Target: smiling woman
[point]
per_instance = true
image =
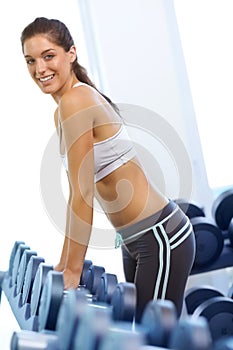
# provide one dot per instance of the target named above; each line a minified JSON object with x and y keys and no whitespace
{"x":48,"y":64}
{"x":158,"y":242}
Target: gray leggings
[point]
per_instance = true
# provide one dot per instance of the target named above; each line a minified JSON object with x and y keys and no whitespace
{"x":158,"y":254}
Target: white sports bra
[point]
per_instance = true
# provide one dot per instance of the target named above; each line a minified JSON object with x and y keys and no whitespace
{"x":110,"y":153}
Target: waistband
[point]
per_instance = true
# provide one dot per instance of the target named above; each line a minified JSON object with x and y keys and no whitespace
{"x":157,"y":218}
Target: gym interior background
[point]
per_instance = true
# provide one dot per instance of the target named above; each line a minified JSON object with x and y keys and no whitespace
{"x":171,"y":57}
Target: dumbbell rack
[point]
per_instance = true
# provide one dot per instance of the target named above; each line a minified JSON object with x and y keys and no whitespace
{"x":35,"y":293}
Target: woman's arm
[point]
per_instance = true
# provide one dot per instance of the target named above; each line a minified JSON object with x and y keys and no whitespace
{"x":77,"y":128}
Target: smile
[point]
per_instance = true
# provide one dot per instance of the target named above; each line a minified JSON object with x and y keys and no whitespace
{"x":46,"y":78}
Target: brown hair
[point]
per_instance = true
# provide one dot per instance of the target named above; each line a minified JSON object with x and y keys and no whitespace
{"x":59,"y":34}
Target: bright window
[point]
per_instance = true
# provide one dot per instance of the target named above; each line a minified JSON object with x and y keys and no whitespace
{"x":206,"y":29}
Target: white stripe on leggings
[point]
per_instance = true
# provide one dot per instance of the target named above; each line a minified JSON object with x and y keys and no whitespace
{"x":173,"y":246}
{"x":174,"y":237}
{"x":167,"y":254}
{"x":161,"y":262}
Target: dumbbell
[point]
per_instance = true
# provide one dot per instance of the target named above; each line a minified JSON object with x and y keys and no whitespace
{"x":209,"y":242}
{"x":16,"y":261}
{"x":190,"y":208}
{"x":78,"y":317}
{"x":215,"y":307}
{"x":159,"y":318}
{"x":208,"y":237}
{"x":122,"y":301}
{"x":122,"y":338}
{"x":12,"y":256}
{"x":159,"y":329}
{"x":222,"y":211}
{"x":68,"y":318}
{"x":96,"y":322}
{"x":26,"y":275}
{"x":19,"y":280}
{"x":20,"y":256}
{"x":54,"y":291}
{"x":191,"y":334}
{"x":83,"y":325}
{"x":34,"y":281}
{"x":7,"y":278}
{"x":195,"y":296}
{"x":78,"y":321}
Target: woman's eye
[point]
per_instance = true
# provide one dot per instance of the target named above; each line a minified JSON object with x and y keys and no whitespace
{"x":48,"y":57}
{"x":30,"y":61}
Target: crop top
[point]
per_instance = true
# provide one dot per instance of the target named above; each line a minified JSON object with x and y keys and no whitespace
{"x":109,"y":154}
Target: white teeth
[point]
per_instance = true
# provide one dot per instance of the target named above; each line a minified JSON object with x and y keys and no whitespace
{"x":46,"y":78}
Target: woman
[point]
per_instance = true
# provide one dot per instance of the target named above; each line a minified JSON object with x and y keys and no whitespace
{"x":158,"y":241}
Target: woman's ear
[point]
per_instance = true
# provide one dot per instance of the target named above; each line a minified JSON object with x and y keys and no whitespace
{"x":73,"y":54}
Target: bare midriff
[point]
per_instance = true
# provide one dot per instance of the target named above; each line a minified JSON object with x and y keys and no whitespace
{"x":127,"y":196}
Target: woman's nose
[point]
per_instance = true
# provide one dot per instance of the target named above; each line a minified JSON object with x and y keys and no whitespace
{"x":40,"y":67}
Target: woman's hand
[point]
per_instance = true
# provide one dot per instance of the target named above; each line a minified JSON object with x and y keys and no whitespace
{"x":59,"y":267}
{"x":71,"y":279}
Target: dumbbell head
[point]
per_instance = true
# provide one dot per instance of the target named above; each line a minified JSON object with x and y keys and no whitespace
{"x":191,"y":334}
{"x":30,"y":274}
{"x":191,"y":209}
{"x":72,"y":310}
{"x":230,"y":232}
{"x":124,"y":301}
{"x":92,"y":327}
{"x":159,"y":319}
{"x":18,"y":255}
{"x":93,"y":277}
{"x":106,"y":287}
{"x":222,"y":209}
{"x":84,"y":275}
{"x":12,"y":256}
{"x":218,"y":311}
{"x":50,"y":301}
{"x":120,"y":336}
{"x":49,"y":298}
{"x":37,"y":286}
{"x":27,"y":254}
{"x":197,"y":295}
{"x":209,"y":242}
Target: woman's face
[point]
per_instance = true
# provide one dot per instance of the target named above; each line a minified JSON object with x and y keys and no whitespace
{"x":49,"y":65}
